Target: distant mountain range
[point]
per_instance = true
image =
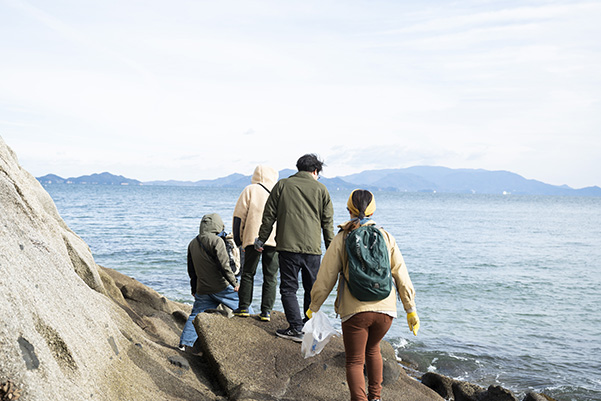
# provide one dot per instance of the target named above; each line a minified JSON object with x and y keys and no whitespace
{"x":94,"y":179}
{"x":411,"y":179}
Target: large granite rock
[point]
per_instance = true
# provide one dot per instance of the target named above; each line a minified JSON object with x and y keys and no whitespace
{"x":66,"y":330}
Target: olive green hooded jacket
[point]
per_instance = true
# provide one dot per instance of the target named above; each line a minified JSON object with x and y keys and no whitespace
{"x":303,"y":210}
{"x":209,"y":264}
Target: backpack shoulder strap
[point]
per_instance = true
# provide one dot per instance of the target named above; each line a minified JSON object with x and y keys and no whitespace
{"x":205,"y":249}
{"x":264,"y":187}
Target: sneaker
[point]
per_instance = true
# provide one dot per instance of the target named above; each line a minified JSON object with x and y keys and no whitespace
{"x":241,"y":312}
{"x":181,"y":348}
{"x":290,"y":334}
{"x":265,"y":316}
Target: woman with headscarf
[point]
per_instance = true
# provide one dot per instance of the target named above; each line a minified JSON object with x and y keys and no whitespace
{"x":364,"y":323}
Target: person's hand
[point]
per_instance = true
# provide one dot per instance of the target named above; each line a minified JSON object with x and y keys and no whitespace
{"x":309,"y":313}
{"x":413,"y":322}
{"x":259,"y":245}
{"x":236,"y":288}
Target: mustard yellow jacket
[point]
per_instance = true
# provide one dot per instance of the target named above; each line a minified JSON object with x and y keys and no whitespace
{"x":335,"y":262}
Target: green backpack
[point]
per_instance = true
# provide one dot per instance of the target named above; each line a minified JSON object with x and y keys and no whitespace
{"x":368,"y":264}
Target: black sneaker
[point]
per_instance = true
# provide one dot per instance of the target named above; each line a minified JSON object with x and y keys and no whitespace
{"x":265,"y":316}
{"x":290,"y":334}
{"x":241,"y":312}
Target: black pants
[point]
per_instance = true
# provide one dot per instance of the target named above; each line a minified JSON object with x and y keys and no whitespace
{"x":290,"y":265}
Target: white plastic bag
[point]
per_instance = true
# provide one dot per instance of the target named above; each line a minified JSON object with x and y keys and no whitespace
{"x":318,"y":331}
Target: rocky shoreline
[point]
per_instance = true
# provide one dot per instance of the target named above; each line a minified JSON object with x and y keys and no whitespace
{"x":236,"y":353}
{"x":73,"y":330}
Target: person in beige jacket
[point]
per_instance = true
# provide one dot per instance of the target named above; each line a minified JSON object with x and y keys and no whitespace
{"x":364,"y":324}
{"x":247,"y":220}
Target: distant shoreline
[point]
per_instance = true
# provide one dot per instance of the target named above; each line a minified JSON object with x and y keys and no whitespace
{"x":423,"y":179}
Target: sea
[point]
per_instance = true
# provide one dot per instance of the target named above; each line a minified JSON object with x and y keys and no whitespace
{"x":508,"y":286}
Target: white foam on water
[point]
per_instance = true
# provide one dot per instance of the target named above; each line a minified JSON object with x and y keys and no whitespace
{"x":461,"y":358}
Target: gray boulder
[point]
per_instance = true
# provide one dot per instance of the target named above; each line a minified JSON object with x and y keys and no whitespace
{"x":251,"y":363}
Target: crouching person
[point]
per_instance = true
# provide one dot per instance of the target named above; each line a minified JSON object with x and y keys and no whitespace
{"x":211,"y":278}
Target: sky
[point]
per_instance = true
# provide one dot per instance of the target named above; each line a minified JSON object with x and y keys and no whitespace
{"x":191,"y":90}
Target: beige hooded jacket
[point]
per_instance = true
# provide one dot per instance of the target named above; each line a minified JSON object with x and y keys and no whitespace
{"x":335,"y":263}
{"x":250,"y":205}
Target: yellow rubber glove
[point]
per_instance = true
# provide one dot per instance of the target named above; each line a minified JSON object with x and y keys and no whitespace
{"x":309,"y":313}
{"x":413,"y":322}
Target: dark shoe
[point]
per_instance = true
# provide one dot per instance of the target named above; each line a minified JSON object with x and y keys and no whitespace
{"x":241,"y":312}
{"x":290,"y":334}
{"x":265,"y":316}
{"x":181,"y":348}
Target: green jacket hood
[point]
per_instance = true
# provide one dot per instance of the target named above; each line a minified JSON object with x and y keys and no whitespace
{"x":211,"y":224}
{"x":265,"y":175}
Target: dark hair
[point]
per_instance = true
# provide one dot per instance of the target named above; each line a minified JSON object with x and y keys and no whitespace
{"x":310,"y":162}
{"x":360,"y":199}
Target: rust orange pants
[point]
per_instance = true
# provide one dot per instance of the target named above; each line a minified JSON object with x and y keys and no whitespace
{"x":362,"y":335}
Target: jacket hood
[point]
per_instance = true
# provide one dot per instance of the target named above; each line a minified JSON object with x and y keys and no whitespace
{"x":211,"y":224}
{"x":265,"y":175}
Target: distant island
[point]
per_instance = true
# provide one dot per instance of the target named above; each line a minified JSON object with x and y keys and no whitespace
{"x":428,"y":179}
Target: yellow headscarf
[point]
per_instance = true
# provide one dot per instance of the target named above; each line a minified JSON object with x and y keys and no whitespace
{"x":369,"y":210}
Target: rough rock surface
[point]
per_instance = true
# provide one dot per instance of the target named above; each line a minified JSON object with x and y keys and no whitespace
{"x":67,"y":332}
{"x":251,"y":363}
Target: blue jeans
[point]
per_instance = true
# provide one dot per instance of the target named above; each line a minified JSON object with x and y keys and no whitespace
{"x":228,"y":297}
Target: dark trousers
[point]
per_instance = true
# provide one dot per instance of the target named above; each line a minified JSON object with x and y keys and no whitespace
{"x":290,"y":265}
{"x":270,"y":277}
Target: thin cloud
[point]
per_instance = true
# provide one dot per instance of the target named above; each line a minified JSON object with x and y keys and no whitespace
{"x":74,"y":35}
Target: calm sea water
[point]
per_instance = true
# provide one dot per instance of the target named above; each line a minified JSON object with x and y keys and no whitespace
{"x":508,"y":287}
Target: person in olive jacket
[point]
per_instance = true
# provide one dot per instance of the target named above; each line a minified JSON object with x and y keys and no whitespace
{"x":303,"y":210}
{"x":211,"y":278}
